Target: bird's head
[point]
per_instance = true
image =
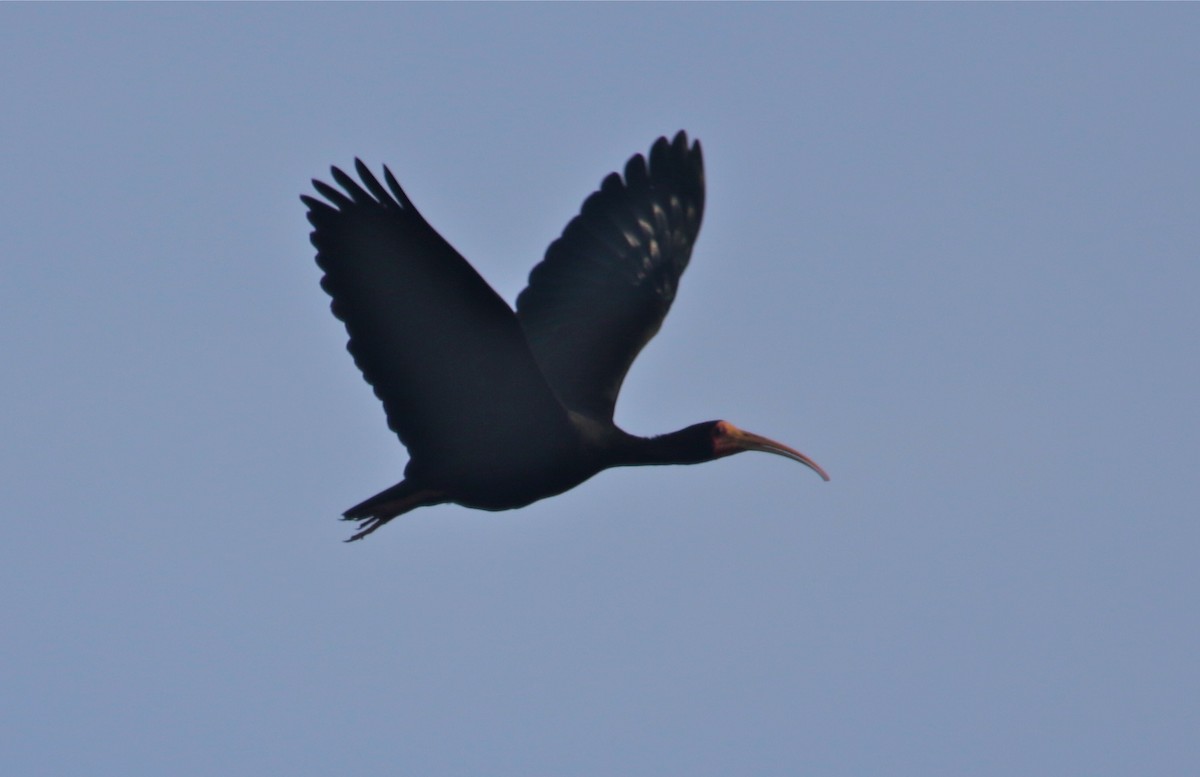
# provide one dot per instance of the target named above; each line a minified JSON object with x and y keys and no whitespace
{"x":726,"y":440}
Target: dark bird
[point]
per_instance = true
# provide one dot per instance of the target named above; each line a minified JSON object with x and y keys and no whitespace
{"x":498,"y":409}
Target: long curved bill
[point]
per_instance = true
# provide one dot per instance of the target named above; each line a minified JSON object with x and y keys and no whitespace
{"x":734,"y":440}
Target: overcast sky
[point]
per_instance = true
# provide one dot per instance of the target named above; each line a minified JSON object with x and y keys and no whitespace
{"x":951,"y":252}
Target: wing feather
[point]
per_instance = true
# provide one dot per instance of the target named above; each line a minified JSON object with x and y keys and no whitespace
{"x":605,"y":285}
{"x":441,"y":349}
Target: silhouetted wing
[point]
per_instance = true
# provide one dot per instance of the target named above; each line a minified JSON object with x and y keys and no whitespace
{"x":442,"y":350}
{"x":605,"y":286}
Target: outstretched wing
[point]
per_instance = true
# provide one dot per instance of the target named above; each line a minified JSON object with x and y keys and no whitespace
{"x":605,"y":286}
{"x":442,"y":350}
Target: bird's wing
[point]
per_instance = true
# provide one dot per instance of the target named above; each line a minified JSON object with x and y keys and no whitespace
{"x":442,"y":350}
{"x":605,"y":286}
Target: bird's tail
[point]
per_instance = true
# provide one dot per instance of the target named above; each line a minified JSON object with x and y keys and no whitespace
{"x":387,"y":504}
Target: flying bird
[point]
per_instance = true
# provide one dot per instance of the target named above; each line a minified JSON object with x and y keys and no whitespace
{"x":500,"y":409}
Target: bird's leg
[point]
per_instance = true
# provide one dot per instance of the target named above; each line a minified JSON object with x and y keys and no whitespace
{"x":367,"y":526}
{"x":371,"y":514}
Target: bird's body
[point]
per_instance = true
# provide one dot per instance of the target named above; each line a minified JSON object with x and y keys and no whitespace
{"x":499,"y":409}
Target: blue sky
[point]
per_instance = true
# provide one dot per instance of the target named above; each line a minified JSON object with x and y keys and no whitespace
{"x":949,"y":251}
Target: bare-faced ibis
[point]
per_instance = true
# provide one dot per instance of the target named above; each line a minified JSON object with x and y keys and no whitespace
{"x":498,"y":409}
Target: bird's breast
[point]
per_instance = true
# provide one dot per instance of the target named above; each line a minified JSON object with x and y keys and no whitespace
{"x":516,"y":475}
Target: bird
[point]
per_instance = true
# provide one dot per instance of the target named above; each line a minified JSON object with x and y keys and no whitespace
{"x":497,"y":407}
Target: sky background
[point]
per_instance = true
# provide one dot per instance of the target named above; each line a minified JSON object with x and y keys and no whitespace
{"x":951,"y":252}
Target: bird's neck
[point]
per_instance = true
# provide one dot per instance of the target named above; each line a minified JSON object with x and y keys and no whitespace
{"x":686,"y":446}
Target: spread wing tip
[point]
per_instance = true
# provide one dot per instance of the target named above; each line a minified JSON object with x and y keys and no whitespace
{"x":374,"y":193}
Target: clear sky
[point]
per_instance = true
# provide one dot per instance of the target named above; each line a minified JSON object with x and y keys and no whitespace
{"x":952,"y":252}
